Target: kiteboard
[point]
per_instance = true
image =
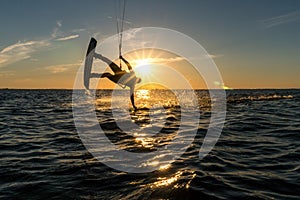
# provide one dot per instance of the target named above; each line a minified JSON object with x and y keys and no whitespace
{"x":89,"y":62}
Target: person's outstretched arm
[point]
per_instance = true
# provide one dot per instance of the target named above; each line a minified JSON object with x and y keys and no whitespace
{"x":132,"y":97}
{"x":126,"y":62}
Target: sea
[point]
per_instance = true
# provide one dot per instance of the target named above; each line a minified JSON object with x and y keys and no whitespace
{"x":257,"y":156}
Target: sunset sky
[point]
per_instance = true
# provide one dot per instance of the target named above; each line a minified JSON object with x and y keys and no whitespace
{"x":255,"y":44}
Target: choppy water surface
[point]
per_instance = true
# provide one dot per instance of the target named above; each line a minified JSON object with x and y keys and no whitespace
{"x":256,"y":157}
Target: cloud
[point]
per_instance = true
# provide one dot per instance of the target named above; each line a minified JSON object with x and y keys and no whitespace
{"x":68,"y":37}
{"x":78,"y":30}
{"x":55,"y":69}
{"x":56,"y":32}
{"x":281,"y":19}
{"x":214,"y":56}
{"x":20,"y":51}
{"x":129,"y":34}
{"x":178,"y":59}
{"x":167,"y":60}
{"x":119,"y":21}
{"x":59,"y":35}
{"x":159,"y":60}
{"x":59,"y":23}
{"x":5,"y":74}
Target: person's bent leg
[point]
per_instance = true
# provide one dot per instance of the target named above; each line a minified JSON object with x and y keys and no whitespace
{"x":104,"y":75}
{"x":113,"y":78}
{"x":116,"y":69}
{"x":104,"y":59}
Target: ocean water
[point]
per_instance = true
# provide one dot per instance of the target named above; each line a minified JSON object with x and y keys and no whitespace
{"x":256,"y":157}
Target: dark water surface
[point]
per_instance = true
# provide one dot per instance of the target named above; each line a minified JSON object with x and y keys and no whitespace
{"x":256,"y":157}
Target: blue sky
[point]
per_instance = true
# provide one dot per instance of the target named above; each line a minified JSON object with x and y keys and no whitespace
{"x":256,"y":43}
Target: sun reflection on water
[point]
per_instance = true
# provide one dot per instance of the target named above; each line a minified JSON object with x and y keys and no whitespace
{"x":143,"y":94}
{"x":164,"y":167}
{"x":146,"y":142}
{"x":165,"y":181}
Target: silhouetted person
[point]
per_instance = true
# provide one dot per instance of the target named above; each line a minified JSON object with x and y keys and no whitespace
{"x":120,"y":76}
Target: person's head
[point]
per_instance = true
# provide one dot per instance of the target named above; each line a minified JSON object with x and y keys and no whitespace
{"x":138,"y":80}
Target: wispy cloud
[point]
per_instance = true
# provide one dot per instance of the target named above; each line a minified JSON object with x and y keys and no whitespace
{"x":214,"y":56}
{"x":129,"y":34}
{"x":119,"y":20}
{"x":59,"y":23}
{"x":24,"y":49}
{"x":68,"y":37}
{"x":167,"y":60}
{"x":5,"y":74}
{"x":20,"y":51}
{"x":55,"y":69}
{"x":56,"y":31}
{"x":58,"y":35}
{"x":160,"y":60}
{"x":178,"y":58}
{"x":281,"y":19}
{"x":78,"y":30}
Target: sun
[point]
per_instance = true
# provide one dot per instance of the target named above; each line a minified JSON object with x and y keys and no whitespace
{"x":143,"y":66}
{"x":140,"y":62}
{"x":143,"y":69}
